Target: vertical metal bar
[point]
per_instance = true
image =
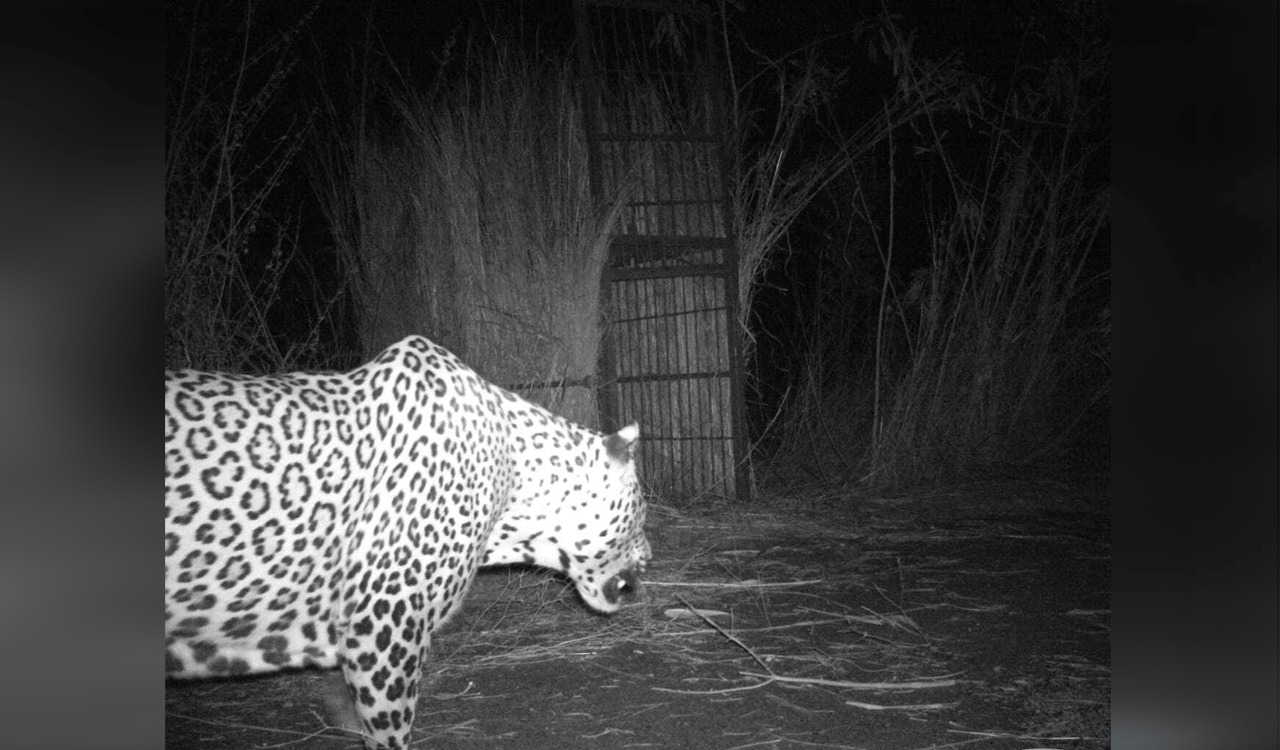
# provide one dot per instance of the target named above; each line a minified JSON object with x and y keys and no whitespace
{"x":733,"y":334}
{"x":607,"y":388}
{"x":720,"y":126}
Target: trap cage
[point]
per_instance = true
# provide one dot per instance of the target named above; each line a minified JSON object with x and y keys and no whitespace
{"x":655,"y":108}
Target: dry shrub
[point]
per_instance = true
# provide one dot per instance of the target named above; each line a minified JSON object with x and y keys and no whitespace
{"x":231,"y":247}
{"x":996,"y":318}
{"x":971,"y":357}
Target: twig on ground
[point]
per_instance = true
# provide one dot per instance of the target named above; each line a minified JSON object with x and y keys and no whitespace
{"x":1024,"y":736}
{"x":726,"y":634}
{"x":913,"y":685}
{"x":911,"y":707}
{"x":750,"y":583}
{"x":788,"y":626}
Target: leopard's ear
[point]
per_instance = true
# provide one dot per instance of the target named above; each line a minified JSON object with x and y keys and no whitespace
{"x":621,"y":445}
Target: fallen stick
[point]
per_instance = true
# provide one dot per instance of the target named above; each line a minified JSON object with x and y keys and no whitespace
{"x":914,"y":707}
{"x":915,"y":685}
{"x":751,"y":583}
{"x":788,"y":626}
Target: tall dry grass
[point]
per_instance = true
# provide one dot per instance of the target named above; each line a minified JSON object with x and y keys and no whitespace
{"x":969,"y":358}
{"x":998,"y":320}
{"x":772,"y":187}
{"x":474,"y":223}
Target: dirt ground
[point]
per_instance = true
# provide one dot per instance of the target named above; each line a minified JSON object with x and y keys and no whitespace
{"x":975,"y":616}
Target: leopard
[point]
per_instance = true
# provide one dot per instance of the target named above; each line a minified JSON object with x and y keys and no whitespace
{"x":336,"y":520}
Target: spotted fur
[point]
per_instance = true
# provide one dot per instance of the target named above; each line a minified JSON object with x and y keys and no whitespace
{"x":337,"y":520}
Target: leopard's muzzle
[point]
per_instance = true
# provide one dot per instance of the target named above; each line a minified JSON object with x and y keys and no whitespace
{"x":624,"y":588}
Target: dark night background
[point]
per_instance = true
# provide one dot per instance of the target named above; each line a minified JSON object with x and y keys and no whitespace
{"x":408,"y":40}
{"x":1195,"y":395}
